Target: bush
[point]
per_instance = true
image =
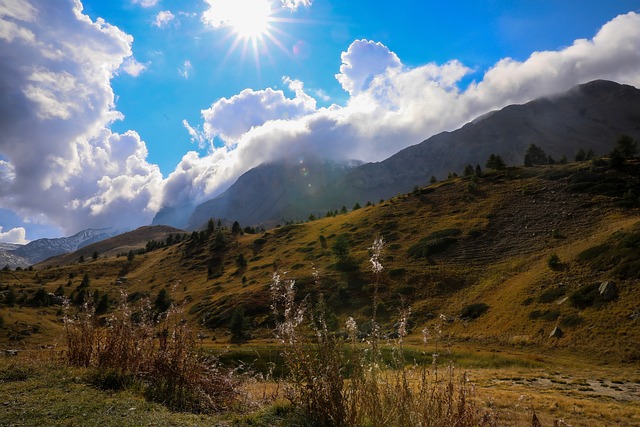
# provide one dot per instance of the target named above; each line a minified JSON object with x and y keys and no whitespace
{"x":548,"y":315}
{"x":434,"y":243}
{"x":238,"y":325}
{"x":586,"y":296}
{"x":473,"y":311}
{"x":340,"y":248}
{"x":427,"y":247}
{"x":571,"y":321}
{"x":593,"y":252}
{"x":157,"y":353}
{"x":550,"y":295}
{"x":553,"y":262}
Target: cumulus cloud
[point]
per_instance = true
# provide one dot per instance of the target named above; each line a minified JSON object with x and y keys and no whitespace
{"x":146,"y":3}
{"x":16,"y":235}
{"x":231,"y":118}
{"x":295,"y":4}
{"x":132,"y":67}
{"x":60,"y":162}
{"x":363,"y":61}
{"x":392,"y":106}
{"x":164,"y":18}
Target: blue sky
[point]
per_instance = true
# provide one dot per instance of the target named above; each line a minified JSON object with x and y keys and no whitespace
{"x":115,"y":109}
{"x":476,"y":33}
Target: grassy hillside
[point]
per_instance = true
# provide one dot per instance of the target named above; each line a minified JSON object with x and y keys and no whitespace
{"x":476,"y":249}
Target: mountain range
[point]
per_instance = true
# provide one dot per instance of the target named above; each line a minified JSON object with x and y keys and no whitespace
{"x":41,"y":249}
{"x":589,"y":116}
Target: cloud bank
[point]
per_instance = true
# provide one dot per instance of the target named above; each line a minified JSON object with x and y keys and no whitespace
{"x":15,"y":235}
{"x":391,"y":105}
{"x":60,"y":162}
{"x":60,"y":159}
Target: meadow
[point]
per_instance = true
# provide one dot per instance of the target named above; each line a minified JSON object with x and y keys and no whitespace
{"x":432,"y":308}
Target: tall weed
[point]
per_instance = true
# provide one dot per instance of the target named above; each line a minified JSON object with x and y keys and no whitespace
{"x":342,"y":380}
{"x":156,"y":350}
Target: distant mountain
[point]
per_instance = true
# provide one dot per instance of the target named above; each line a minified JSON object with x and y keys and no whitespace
{"x":7,"y":259}
{"x":589,"y":116}
{"x":41,"y":249}
{"x":8,"y":246}
{"x":121,"y":243}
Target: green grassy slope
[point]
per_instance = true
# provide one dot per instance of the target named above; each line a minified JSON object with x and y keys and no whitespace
{"x":475,"y":249}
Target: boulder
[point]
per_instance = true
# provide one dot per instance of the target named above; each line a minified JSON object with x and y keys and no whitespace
{"x":608,"y":291}
{"x":556,"y":333}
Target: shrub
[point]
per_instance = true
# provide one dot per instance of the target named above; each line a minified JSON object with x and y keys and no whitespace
{"x":340,"y":248}
{"x":548,"y":315}
{"x":571,"y":321}
{"x":428,"y":246}
{"x":238,"y":325}
{"x":593,"y":252}
{"x":473,"y":311}
{"x":586,"y":296}
{"x":156,"y":352}
{"x":553,"y":262}
{"x":535,"y":155}
{"x":495,"y":162}
{"x":550,"y":295}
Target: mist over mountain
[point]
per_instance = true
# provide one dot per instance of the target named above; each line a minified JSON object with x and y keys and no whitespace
{"x":588,"y":116}
{"x":286,"y":189}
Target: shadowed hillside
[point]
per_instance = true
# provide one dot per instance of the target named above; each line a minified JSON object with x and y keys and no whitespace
{"x":486,"y":240}
{"x":589,"y":116}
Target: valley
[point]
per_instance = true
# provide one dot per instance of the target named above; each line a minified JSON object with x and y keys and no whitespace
{"x":471,"y":253}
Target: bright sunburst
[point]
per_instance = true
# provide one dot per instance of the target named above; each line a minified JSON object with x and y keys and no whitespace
{"x":249,"y":19}
{"x":252,"y":19}
{"x":253,"y":25}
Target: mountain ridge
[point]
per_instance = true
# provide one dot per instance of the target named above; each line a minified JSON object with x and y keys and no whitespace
{"x":41,"y":249}
{"x":588,"y":116}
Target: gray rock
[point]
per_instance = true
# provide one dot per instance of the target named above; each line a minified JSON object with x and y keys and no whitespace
{"x":556,"y":333}
{"x":608,"y":291}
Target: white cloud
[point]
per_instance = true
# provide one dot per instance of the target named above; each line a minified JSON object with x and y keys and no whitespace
{"x":186,"y":69}
{"x":295,"y":4}
{"x":362,"y":62}
{"x":56,"y":108}
{"x":222,"y":13}
{"x":132,"y":67}
{"x":392,"y":106}
{"x":15,"y":235}
{"x":164,"y":18}
{"x":146,"y":3}
{"x":230,"y":119}
{"x":60,"y":162}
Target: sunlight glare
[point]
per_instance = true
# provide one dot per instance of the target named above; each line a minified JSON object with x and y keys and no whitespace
{"x":248,"y":18}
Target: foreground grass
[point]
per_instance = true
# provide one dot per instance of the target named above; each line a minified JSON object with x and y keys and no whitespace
{"x":37,"y":391}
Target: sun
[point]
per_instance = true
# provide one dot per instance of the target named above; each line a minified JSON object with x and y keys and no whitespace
{"x":250,"y":26}
{"x":248,"y":18}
